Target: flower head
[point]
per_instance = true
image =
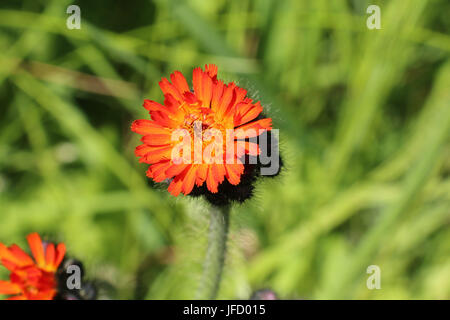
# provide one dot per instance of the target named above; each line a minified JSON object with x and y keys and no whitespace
{"x":31,"y":279}
{"x":219,"y":122}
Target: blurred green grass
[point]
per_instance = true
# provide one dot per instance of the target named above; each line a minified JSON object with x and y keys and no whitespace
{"x":364,"y":119}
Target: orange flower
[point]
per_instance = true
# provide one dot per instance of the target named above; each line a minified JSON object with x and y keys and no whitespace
{"x":31,"y":279}
{"x":214,"y":106}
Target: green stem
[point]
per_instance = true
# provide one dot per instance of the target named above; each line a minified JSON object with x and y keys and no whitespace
{"x":215,"y":254}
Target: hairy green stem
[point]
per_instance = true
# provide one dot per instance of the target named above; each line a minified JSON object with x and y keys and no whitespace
{"x":216,"y":252}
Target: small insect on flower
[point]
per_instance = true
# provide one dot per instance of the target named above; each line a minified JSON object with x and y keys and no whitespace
{"x":31,"y":279}
{"x":199,"y":140}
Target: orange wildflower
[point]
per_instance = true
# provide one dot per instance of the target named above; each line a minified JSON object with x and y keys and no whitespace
{"x":31,"y":279}
{"x":217,"y":106}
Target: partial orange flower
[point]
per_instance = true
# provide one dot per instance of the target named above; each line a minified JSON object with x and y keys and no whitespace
{"x":31,"y":279}
{"x":217,"y":106}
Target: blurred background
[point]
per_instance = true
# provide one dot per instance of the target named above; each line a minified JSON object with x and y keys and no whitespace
{"x":364,"y":119}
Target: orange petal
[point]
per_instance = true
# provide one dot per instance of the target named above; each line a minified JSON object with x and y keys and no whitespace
{"x":142,"y":150}
{"x":190,"y":98}
{"x":35,"y":243}
{"x":189,"y":180}
{"x":225,"y":101}
{"x":207,"y":88}
{"x":176,"y":169}
{"x":211,"y":70}
{"x":219,"y":172}
{"x":163,"y":119}
{"x":175,"y":187}
{"x":144,"y":127}
{"x":247,"y":115}
{"x":6,"y":254}
{"x":60,"y":253}
{"x":21,"y":255}
{"x":44,"y":295}
{"x":14,"y":256}
{"x":149,"y":173}
{"x":158,"y":170}
{"x":259,"y":124}
{"x":50,"y":255}
{"x":217,"y":95}
{"x":242,"y":108}
{"x":179,"y":81}
{"x":211,"y":182}
{"x":151,"y":105}
{"x":157,"y":154}
{"x":19,"y":297}
{"x":171,"y":103}
{"x":10,"y":265}
{"x":168,"y":88}
{"x":7,"y":287}
{"x":197,"y":82}
{"x":253,"y":129}
{"x":202,"y":172}
{"x":240,"y":94}
{"x":234,"y":172}
{"x":157,"y":139}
